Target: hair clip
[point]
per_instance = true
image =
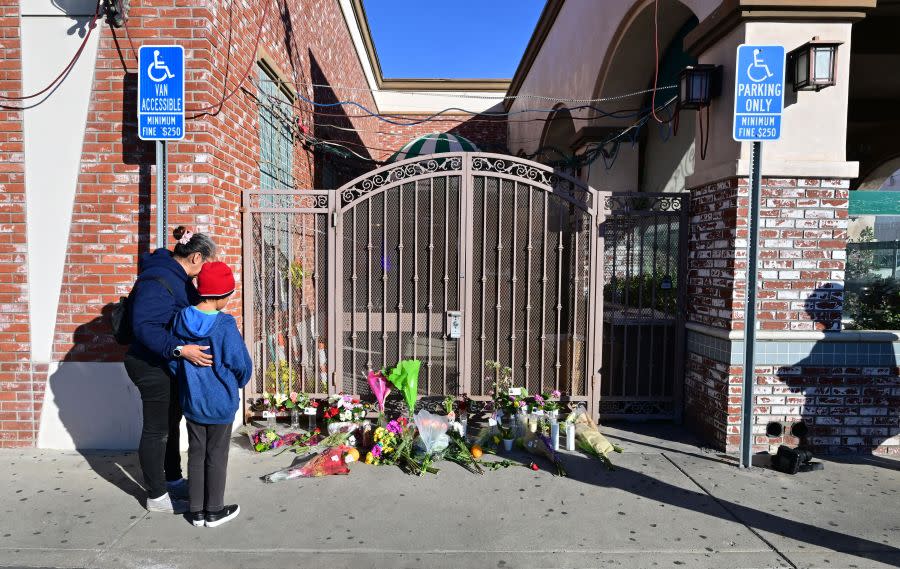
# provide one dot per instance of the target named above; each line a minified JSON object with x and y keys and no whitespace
{"x":185,"y":238}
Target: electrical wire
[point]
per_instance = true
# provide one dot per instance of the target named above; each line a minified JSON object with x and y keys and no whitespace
{"x":594,"y":152}
{"x":390,"y":119}
{"x":203,"y":111}
{"x":227,"y":61}
{"x":339,"y":148}
{"x":656,"y":58}
{"x":65,"y":71}
{"x":704,"y":141}
{"x":497,"y":97}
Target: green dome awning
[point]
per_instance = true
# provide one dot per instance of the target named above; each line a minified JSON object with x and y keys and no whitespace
{"x":433,"y":143}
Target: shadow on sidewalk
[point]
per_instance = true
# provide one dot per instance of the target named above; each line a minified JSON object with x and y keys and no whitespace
{"x":589,"y":471}
{"x":98,"y":409}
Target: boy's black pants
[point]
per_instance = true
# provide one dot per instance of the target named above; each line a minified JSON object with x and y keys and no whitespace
{"x":207,"y":465}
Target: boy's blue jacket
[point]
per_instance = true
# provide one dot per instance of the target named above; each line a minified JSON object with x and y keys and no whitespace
{"x":209,"y":395}
{"x":154,"y":306}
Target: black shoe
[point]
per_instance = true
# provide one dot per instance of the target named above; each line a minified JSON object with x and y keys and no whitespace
{"x":198,"y":519}
{"x":224,"y":515}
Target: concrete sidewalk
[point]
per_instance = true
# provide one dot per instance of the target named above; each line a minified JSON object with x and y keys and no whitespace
{"x":669,"y":504}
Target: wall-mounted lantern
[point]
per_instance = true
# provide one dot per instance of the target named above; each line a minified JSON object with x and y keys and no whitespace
{"x":698,"y":85}
{"x":813,"y":65}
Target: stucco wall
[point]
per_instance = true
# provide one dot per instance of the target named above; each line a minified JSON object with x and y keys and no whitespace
{"x":575,"y":51}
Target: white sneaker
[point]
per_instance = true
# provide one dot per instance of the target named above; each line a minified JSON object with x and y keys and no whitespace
{"x":167,"y":505}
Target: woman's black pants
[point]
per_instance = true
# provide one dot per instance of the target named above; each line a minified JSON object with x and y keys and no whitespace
{"x":159,"y":448}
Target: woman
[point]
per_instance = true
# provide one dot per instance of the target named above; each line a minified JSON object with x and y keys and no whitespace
{"x":163,"y":288}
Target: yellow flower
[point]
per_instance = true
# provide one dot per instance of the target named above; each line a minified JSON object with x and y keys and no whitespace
{"x":369,"y":458}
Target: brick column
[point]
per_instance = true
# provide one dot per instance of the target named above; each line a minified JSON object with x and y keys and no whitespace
{"x":803,"y":236}
{"x":17,"y":385}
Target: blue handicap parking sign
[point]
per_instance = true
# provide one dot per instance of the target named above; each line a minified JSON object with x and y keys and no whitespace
{"x":758,"y":92}
{"x":161,"y":92}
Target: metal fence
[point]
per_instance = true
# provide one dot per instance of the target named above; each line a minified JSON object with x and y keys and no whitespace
{"x":286,"y":310}
{"x":643,"y":291}
{"x":359,"y":278}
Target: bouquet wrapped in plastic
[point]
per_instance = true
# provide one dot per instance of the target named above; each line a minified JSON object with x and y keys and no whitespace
{"x":380,"y":389}
{"x":589,"y":439}
{"x":539,"y":445}
{"x":405,"y":377}
{"x":432,"y":432}
{"x":265,"y":439}
{"x":330,"y":462}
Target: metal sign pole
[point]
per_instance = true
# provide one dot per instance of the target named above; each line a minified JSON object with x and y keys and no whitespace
{"x":758,"y":104}
{"x":162,"y":190}
{"x":750,"y":307}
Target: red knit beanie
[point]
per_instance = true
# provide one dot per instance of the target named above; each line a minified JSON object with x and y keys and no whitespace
{"x":215,"y":279}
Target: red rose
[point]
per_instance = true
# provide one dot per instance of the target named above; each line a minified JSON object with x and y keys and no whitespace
{"x":534,"y":466}
{"x":355,"y":401}
{"x":315,"y":404}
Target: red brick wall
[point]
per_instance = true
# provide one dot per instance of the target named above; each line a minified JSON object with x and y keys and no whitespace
{"x":18,"y":399}
{"x":113,"y":219}
{"x":847,"y":409}
{"x":707,"y":398}
{"x":489,"y":134}
{"x":802,"y":241}
{"x":114,"y":216}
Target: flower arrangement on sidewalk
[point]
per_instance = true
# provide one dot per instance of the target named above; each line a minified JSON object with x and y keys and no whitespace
{"x":344,"y":409}
{"x":416,"y":442}
{"x":267,"y":439}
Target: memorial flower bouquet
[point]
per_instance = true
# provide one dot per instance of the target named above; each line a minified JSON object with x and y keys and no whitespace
{"x":266,"y":439}
{"x":590,"y":440}
{"x":536,"y":443}
{"x":276,"y":402}
{"x":297,"y":401}
{"x":345,"y":409}
{"x":386,"y":439}
{"x":551,"y":402}
{"x":394,"y":445}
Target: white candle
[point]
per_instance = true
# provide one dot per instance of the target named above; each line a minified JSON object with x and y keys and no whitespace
{"x":554,"y":434}
{"x":570,"y":436}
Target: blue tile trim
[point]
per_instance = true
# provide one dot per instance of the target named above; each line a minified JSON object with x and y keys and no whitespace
{"x":802,"y":352}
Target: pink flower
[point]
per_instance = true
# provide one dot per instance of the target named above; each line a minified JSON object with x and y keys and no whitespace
{"x":555,"y":394}
{"x":293,"y":396}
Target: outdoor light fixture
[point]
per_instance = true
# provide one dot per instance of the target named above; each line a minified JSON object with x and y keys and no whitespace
{"x":698,"y":85}
{"x":811,"y":67}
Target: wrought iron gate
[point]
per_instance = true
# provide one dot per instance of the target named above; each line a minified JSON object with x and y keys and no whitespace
{"x":505,"y":243}
{"x":358,"y":278}
{"x":643,"y":291}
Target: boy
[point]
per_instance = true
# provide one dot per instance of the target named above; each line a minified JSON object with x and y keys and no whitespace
{"x":209,"y":395}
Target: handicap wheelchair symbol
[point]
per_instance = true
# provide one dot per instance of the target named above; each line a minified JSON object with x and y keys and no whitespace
{"x":757,"y":68}
{"x":158,"y":64}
